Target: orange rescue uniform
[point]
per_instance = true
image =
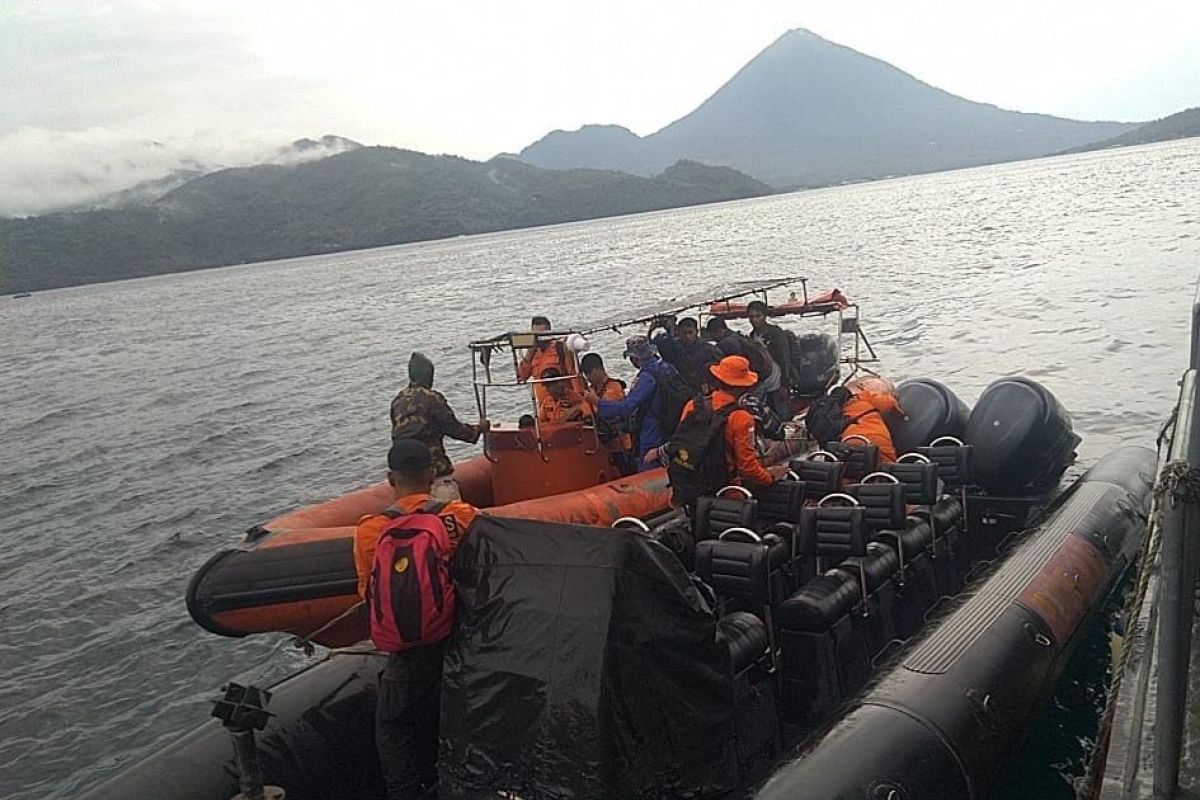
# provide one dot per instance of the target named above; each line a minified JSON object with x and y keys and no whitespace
{"x":570,"y":407}
{"x":741,"y":455}
{"x":539,"y":359}
{"x":456,"y":516}
{"x":613,"y":390}
{"x":867,"y":408}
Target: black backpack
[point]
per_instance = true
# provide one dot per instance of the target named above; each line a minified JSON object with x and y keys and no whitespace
{"x":757,"y":354}
{"x":825,"y":418}
{"x":696,"y":453}
{"x":672,"y":395}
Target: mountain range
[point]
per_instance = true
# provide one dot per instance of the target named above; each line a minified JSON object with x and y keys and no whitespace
{"x":804,"y":112}
{"x":809,"y":112}
{"x":363,"y":197}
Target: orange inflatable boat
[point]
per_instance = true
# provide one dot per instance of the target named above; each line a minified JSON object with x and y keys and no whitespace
{"x":295,"y":573}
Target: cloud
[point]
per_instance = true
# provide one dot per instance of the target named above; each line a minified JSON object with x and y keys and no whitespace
{"x":104,"y":79}
{"x":44,"y":170}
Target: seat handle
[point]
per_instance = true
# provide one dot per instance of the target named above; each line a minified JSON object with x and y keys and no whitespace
{"x":838,"y":496}
{"x":746,"y":493}
{"x":793,"y":475}
{"x":882,"y":477}
{"x":847,"y":439}
{"x":631,"y":522}
{"x":825,"y":455}
{"x":754,"y":537}
{"x":954,"y":440}
{"x":916,"y":457}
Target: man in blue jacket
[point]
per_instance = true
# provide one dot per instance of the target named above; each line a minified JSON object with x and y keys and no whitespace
{"x":644,"y":398}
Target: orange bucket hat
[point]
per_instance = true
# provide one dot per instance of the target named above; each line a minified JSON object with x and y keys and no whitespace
{"x":734,"y":371}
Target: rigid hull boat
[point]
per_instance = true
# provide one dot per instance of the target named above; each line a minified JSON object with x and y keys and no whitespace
{"x":671,"y":656}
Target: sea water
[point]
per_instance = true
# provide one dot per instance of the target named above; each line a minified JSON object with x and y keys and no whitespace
{"x":146,"y":423}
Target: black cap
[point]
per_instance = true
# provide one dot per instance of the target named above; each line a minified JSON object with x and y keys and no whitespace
{"x":408,"y":455}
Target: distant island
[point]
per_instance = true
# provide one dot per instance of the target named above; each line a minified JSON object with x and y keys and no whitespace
{"x":364,"y":197}
{"x":1181,"y":125}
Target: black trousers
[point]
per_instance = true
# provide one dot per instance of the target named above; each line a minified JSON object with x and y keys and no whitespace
{"x":406,"y":721}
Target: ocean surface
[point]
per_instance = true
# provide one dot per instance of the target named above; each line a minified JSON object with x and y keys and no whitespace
{"x":147,"y":423}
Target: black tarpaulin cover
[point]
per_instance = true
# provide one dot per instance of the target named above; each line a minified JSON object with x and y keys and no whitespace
{"x":584,"y":665}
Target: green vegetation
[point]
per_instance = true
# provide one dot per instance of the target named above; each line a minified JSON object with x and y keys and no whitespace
{"x":367,"y":197}
{"x":1177,"y":126}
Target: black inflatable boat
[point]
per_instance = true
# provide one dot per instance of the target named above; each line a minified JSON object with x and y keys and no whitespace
{"x":684,"y":659}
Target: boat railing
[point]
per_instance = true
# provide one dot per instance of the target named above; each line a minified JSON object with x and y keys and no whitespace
{"x":481,"y":357}
{"x":1179,"y":559}
{"x":1148,"y":719}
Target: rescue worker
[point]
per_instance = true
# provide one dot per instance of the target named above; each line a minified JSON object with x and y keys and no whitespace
{"x":865,"y":410}
{"x":561,"y":403}
{"x":664,"y":335}
{"x":735,"y":343}
{"x":775,"y":339}
{"x":418,"y":412}
{"x":643,"y":402}
{"x":407,"y":708}
{"x":695,"y":355}
{"x":544,"y":355}
{"x":733,"y":378}
{"x":613,"y":431}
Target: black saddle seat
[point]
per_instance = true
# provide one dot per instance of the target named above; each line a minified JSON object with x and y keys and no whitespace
{"x":780,"y":502}
{"x":915,"y":537}
{"x":883,"y":504}
{"x":740,"y":568}
{"x":919,"y":479}
{"x":947,"y":513}
{"x":717,"y":514}
{"x":861,"y":459}
{"x":955,"y":463}
{"x":879,"y":565}
{"x":746,"y":637}
{"x":819,"y":603}
{"x":834,"y":531}
{"x":818,"y":477}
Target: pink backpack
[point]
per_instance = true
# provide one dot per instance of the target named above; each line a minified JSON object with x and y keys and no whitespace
{"x":410,"y":597}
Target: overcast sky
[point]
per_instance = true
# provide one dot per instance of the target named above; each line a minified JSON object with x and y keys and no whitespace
{"x":221,"y":79}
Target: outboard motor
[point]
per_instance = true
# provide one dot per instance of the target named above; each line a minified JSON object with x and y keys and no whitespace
{"x":814,"y":364}
{"x":1022,"y":437}
{"x":931,"y":411}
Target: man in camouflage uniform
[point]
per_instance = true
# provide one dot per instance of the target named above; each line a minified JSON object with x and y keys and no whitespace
{"x":419,"y":412}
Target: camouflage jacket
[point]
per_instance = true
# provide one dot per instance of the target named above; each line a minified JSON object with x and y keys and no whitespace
{"x":423,"y":414}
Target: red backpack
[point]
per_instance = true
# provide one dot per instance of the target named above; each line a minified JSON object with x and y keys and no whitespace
{"x":410,"y":597}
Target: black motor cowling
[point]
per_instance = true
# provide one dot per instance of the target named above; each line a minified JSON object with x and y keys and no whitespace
{"x":931,"y":410}
{"x":814,"y":364}
{"x":1022,"y":437}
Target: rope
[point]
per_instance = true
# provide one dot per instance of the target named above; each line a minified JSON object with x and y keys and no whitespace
{"x":305,"y":643}
{"x":1178,"y":483}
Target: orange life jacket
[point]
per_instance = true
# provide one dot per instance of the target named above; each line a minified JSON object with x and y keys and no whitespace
{"x":866,"y":410}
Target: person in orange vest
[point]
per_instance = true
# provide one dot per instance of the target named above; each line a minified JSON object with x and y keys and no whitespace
{"x":548,"y":354}
{"x":561,"y":403}
{"x":865,"y":410}
{"x":614,"y":432}
{"x":407,"y":707}
{"x":733,"y":377}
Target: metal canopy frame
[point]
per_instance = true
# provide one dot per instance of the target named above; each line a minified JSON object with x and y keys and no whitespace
{"x":482,"y":351}
{"x":854,"y":348}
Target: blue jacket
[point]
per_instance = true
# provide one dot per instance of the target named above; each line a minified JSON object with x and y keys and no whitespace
{"x":642,"y":397}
